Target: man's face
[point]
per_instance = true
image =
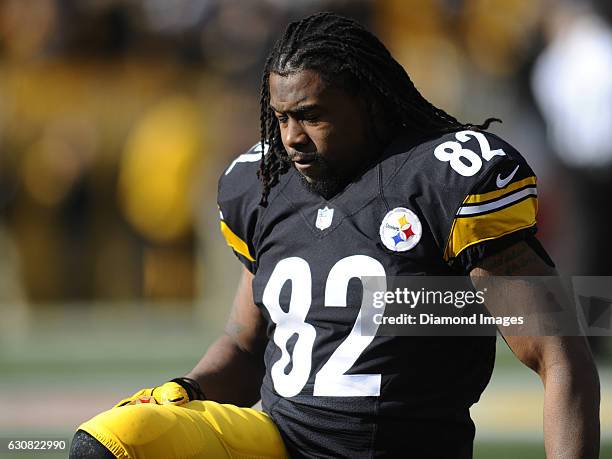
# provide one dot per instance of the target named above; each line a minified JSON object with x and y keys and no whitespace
{"x":323,"y":129}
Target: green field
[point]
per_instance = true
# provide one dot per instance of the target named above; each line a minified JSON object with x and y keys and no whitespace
{"x":522,"y":450}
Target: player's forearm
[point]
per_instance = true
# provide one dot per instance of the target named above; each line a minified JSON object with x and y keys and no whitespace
{"x":571,"y":412}
{"x":228,"y":374}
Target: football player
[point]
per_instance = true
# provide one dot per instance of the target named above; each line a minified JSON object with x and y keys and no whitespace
{"x":356,"y":175}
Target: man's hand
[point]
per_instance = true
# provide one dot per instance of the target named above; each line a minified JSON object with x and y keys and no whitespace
{"x":169,"y":393}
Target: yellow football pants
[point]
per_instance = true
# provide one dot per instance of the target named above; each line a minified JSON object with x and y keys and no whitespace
{"x":198,"y":429}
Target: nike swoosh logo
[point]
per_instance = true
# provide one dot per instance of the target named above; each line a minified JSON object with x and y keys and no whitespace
{"x":502,"y":182}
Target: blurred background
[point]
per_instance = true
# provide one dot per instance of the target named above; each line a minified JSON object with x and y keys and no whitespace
{"x":117,"y":117}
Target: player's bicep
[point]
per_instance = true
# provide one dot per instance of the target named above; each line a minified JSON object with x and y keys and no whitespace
{"x":246,"y":325}
{"x":507,"y":277}
{"x":519,"y":283}
{"x":510,"y":278}
{"x":520,"y":259}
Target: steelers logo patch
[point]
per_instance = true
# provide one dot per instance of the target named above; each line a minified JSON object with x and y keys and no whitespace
{"x":400,"y":230}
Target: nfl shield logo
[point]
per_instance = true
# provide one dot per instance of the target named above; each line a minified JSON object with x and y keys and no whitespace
{"x":324,"y":218}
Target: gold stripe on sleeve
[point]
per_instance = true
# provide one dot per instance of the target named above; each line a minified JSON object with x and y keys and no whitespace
{"x":491,"y":195}
{"x":467,"y":231}
{"x":235,"y":242}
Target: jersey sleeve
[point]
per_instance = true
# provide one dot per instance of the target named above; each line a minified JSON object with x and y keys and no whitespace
{"x":484,"y":198}
{"x":238,"y":199}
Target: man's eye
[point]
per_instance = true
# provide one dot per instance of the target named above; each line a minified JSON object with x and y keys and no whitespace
{"x":312,"y":117}
{"x":281,"y":118}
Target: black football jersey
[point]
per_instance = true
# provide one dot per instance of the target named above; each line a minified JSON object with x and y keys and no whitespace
{"x":428,"y":207}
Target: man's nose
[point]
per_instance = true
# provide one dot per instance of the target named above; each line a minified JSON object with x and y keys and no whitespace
{"x":295,"y":136}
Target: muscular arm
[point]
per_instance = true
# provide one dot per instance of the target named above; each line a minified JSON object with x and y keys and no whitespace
{"x":564,"y":363}
{"x":232,"y":369}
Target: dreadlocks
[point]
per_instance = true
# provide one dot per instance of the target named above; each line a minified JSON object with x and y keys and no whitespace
{"x":341,"y":49}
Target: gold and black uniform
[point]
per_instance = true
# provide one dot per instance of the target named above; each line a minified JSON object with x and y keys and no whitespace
{"x":427,"y":207}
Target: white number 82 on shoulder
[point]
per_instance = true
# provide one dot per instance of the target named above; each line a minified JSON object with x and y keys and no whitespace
{"x":463,"y":160}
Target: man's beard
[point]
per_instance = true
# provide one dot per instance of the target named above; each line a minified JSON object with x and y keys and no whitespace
{"x":328,"y":187}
